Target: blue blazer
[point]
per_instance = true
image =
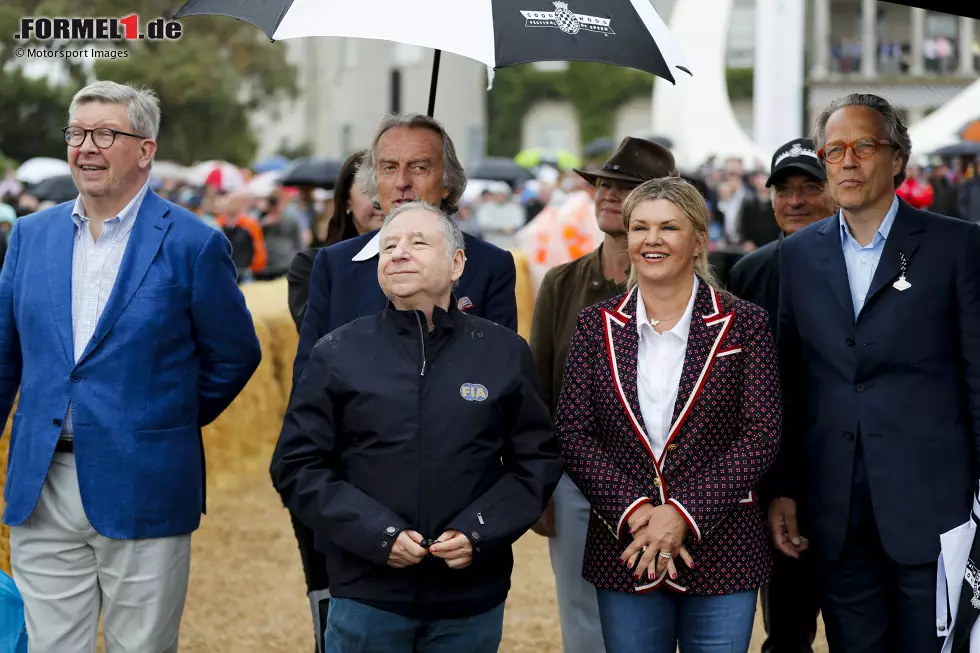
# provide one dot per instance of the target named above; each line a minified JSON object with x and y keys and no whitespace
{"x":174,"y":346}
{"x":343,"y":290}
{"x":903,"y":379}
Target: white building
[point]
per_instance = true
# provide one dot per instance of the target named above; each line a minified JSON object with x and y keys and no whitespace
{"x":347,"y":85}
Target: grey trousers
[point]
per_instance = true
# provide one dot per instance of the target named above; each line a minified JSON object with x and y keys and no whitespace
{"x":68,"y":574}
{"x":577,"y":604}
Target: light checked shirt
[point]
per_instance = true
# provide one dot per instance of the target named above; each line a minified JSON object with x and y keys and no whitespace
{"x":94,"y":267}
{"x":863,"y":261}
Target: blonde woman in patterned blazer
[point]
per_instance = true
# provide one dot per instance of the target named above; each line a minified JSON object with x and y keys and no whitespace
{"x":668,"y":418}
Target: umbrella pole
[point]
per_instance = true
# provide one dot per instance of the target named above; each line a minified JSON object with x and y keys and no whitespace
{"x":435,"y":82}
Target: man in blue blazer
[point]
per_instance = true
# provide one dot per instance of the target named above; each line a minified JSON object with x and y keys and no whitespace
{"x":879,"y":339}
{"x":123,"y":327}
{"x":411,"y":158}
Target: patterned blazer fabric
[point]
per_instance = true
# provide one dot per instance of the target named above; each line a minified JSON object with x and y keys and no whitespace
{"x":724,"y":435}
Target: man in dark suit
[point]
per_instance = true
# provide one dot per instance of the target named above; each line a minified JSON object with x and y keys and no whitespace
{"x":879,"y":339}
{"x":411,"y":158}
{"x":800,"y":197}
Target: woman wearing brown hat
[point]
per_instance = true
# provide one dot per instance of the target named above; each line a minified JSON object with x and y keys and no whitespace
{"x":668,"y":417}
{"x":566,"y":290}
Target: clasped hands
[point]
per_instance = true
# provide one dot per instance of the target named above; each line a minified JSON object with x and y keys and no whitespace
{"x":452,"y":546}
{"x":656,"y":529}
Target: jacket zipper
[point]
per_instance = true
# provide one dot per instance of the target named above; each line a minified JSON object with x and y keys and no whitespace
{"x":421,"y":341}
{"x":420,"y":590}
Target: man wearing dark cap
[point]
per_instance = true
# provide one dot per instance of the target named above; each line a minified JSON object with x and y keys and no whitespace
{"x":800,"y":197}
{"x":565,"y":290}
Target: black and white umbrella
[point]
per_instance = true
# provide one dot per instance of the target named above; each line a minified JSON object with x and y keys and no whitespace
{"x":955,"y":7}
{"x":498,"y":33}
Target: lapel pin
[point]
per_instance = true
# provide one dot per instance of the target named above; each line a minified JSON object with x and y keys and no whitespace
{"x":902,"y":283}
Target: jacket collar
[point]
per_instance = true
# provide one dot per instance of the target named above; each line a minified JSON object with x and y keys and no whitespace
{"x":683,"y":327}
{"x":372,"y":249}
{"x":411,"y":321}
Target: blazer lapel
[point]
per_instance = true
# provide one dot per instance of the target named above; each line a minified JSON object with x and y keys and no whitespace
{"x":61,"y":248}
{"x":622,"y":342}
{"x":834,"y":266}
{"x":144,"y":242}
{"x":708,"y":329}
{"x":902,"y":240}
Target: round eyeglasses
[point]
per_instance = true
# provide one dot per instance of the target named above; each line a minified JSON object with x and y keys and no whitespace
{"x":864,"y":148}
{"x":102,"y":137}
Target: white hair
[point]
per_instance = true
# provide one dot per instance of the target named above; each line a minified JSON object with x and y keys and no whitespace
{"x":455,"y":241}
{"x":142,"y":105}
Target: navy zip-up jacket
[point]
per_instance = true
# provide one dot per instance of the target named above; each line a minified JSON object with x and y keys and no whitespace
{"x":392,"y":427}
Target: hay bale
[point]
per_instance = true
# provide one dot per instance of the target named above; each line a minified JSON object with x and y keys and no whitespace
{"x":524,"y":290}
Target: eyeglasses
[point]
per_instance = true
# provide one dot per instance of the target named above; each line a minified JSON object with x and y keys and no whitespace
{"x":103,"y":137}
{"x":864,"y":148}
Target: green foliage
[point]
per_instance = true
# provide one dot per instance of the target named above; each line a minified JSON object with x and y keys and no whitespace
{"x":208,"y":81}
{"x":32,"y":114}
{"x":295,"y":152}
{"x":741,"y":83}
{"x":596,"y":91}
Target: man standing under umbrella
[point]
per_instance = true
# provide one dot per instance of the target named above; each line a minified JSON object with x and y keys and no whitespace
{"x":411,"y":158}
{"x":565,"y":291}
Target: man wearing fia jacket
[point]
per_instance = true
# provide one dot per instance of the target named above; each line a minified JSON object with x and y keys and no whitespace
{"x":417,"y":448}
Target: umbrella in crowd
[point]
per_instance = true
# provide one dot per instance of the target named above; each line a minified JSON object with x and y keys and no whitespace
{"x":499,"y":169}
{"x":271,"y":164}
{"x":57,"y":189}
{"x":320,"y":172}
{"x":264,"y":183}
{"x":555,"y":158}
{"x":955,"y":7}
{"x":966,"y":148}
{"x":498,"y":33}
{"x":169,"y":170}
{"x":219,"y":174}
{"x":40,"y":168}
{"x":599,"y":147}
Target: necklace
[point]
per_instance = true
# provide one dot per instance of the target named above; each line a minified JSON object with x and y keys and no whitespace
{"x":657,"y":322}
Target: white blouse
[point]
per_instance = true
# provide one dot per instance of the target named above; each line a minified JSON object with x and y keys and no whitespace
{"x":659,"y":364}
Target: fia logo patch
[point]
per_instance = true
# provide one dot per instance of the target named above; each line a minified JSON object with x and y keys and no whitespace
{"x":473,"y":392}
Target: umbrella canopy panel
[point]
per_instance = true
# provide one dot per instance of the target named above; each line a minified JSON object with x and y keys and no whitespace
{"x":498,"y":33}
{"x":40,"y":168}
{"x":499,"y":169}
{"x":312,"y":171}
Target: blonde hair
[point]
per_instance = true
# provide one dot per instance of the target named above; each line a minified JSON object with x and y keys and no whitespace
{"x":684,"y":196}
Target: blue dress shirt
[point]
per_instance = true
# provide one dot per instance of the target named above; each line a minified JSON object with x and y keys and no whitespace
{"x":863,"y":261}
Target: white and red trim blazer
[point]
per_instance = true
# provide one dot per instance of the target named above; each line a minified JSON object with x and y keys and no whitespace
{"x":724,"y":435}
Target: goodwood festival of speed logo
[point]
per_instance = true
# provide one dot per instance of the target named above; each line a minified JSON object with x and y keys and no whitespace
{"x":568,"y":22}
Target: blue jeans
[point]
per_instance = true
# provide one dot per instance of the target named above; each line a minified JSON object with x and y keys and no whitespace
{"x":353,"y":627}
{"x":662,"y":620}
